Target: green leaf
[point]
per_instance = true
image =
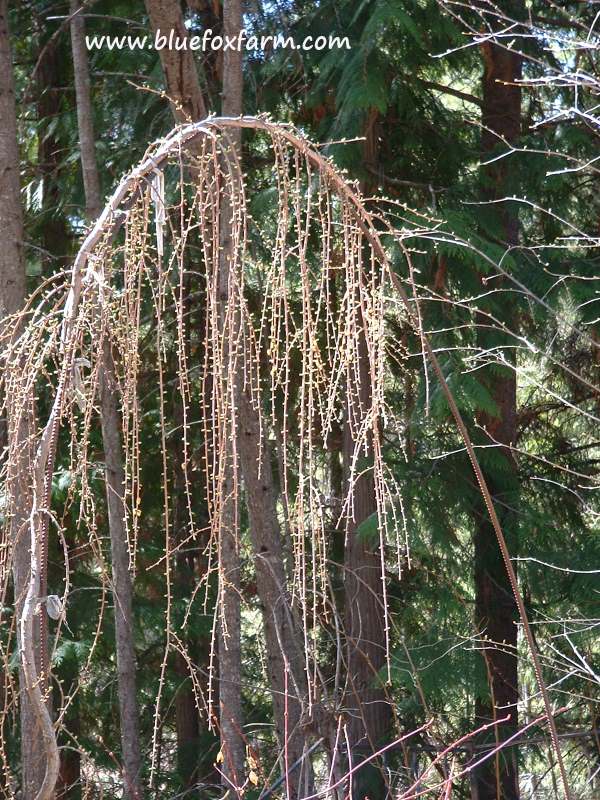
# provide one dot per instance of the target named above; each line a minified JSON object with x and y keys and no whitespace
{"x":368,"y":530}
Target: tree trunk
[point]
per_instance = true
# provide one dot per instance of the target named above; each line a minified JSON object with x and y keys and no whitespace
{"x":68,"y":785}
{"x":56,"y":234}
{"x":113,"y":453}
{"x":367,"y":712}
{"x":284,"y":648}
{"x":368,"y":715}
{"x":495,"y":607}
{"x":122,"y":584}
{"x":20,"y":427}
{"x":85,"y":114}
{"x":187,"y":103}
{"x":56,"y":243}
{"x":179,"y":68}
{"x":187,"y":718}
{"x":230,"y":658}
{"x":283,"y":643}
{"x":187,"y":726}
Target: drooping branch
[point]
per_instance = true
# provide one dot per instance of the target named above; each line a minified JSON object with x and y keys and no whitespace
{"x":87,"y":282}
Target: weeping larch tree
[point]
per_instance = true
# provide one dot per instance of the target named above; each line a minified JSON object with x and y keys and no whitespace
{"x":299,"y":451}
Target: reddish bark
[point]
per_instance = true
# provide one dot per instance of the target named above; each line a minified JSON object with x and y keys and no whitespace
{"x":495,"y":606}
{"x":365,"y":703}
